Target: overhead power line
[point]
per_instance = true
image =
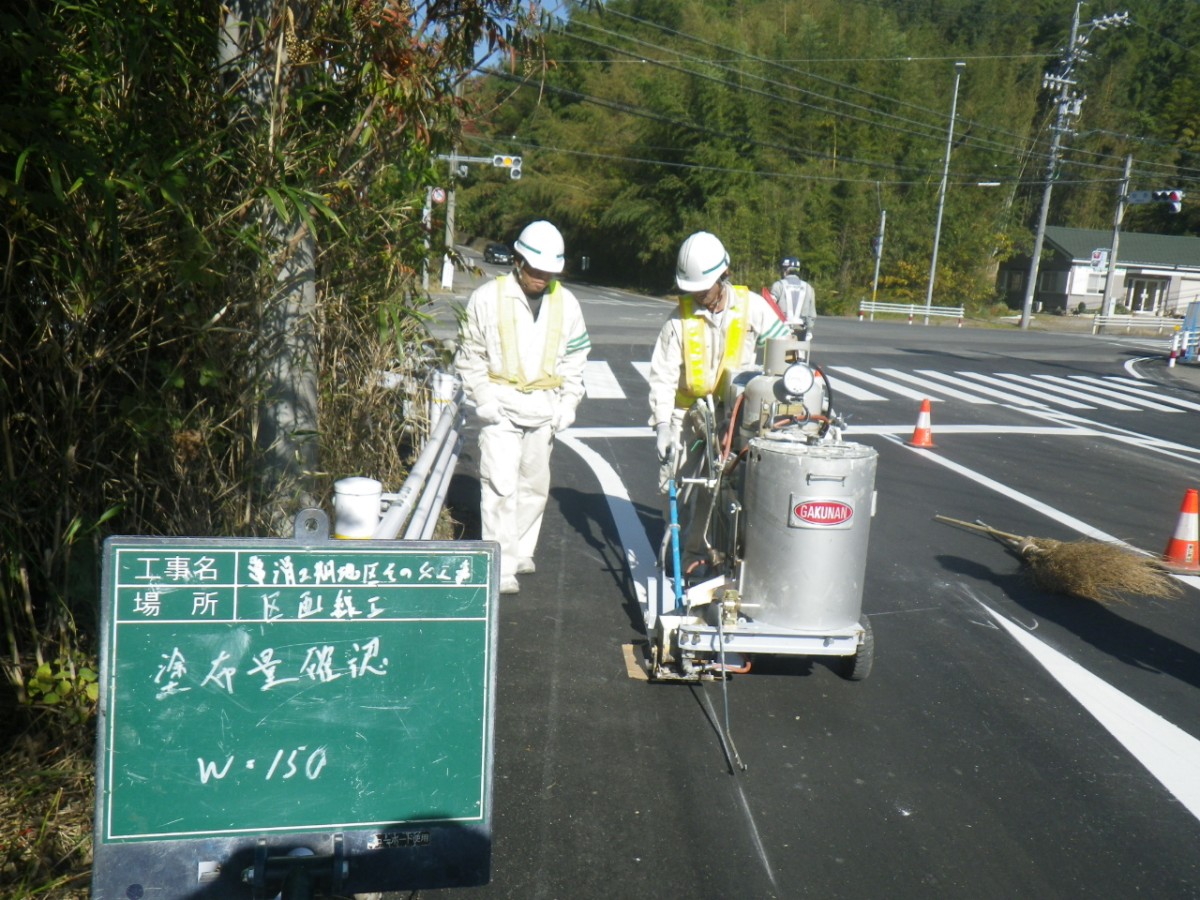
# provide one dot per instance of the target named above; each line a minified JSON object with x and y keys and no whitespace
{"x":1021,"y":147}
{"x":961,"y":181}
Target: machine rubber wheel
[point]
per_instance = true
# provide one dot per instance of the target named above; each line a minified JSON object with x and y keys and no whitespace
{"x":858,"y":666}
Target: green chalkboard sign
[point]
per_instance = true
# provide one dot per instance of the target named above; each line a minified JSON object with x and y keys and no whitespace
{"x":256,"y":689}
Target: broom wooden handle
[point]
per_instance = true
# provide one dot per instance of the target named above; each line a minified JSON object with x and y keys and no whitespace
{"x":986,"y":529}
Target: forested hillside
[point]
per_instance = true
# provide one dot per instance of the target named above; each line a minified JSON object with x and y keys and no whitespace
{"x":789,"y":127}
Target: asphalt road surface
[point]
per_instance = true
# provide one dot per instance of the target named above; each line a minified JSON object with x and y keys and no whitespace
{"x":1008,"y":743}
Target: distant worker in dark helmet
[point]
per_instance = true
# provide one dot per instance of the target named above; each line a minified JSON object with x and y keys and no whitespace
{"x":796,"y":298}
{"x":521,"y":355}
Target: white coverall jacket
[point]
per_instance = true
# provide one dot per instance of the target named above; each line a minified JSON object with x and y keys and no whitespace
{"x":514,"y":446}
{"x":669,"y":400}
{"x":797,"y":299}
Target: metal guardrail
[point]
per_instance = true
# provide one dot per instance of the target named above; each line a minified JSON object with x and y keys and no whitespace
{"x":417,"y":505}
{"x":1129,"y":322}
{"x":910,"y":310}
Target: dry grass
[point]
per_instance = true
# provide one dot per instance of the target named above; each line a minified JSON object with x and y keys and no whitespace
{"x":46,"y":808}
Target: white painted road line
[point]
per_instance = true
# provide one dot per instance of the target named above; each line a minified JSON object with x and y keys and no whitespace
{"x":1127,"y":388}
{"x":1034,"y":391}
{"x":600,"y":382}
{"x":1067,"y":388}
{"x":1017,"y":385}
{"x":880,"y":383}
{"x":1168,"y":752}
{"x":1005,"y":396}
{"x":639,"y":555}
{"x":933,"y":389}
{"x":842,"y":388}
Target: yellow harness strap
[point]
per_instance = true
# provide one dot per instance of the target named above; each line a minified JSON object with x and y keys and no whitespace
{"x":510,"y":353}
{"x":698,"y":380}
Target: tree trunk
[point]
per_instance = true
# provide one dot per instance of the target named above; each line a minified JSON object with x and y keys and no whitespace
{"x":287,"y":342}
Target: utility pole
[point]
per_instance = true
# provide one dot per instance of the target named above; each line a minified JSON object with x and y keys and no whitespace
{"x":447,"y":264}
{"x":937,"y":232}
{"x":1111,"y":270}
{"x":1068,"y":105}
{"x":447,"y":260}
{"x":878,"y":242}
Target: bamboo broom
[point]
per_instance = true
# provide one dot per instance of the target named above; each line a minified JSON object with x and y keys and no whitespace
{"x":1091,"y":570}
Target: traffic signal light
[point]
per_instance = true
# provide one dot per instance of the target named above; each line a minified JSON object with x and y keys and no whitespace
{"x":512,"y":163}
{"x":1171,"y":196}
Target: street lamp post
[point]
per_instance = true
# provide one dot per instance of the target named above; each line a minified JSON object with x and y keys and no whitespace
{"x":937,"y":231}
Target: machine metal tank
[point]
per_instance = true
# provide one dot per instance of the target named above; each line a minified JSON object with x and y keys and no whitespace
{"x":807,"y":514}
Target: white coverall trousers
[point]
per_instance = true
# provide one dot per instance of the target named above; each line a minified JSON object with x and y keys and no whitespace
{"x":514,"y":484}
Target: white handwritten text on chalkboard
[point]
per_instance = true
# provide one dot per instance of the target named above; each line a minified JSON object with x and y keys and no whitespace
{"x":313,"y":764}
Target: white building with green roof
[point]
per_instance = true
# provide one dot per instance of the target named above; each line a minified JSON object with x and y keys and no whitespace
{"x":1155,"y":274}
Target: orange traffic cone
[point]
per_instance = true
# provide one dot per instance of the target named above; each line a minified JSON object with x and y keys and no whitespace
{"x":923,"y":433}
{"x":1183,"y":550}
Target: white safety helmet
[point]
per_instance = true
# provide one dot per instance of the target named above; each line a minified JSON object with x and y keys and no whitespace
{"x":702,"y":260}
{"x":541,"y":246}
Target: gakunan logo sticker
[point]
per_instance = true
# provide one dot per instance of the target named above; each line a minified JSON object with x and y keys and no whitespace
{"x":824,"y":512}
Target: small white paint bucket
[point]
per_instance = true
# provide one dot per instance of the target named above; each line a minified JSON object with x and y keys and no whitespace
{"x":357,"y":507}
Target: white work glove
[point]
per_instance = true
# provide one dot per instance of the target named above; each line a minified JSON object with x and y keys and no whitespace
{"x":564,"y":418}
{"x":490,"y":413}
{"x":662,"y":441}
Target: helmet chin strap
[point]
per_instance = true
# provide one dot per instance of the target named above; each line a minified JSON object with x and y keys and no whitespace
{"x":534,"y":299}
{"x":719,"y":304}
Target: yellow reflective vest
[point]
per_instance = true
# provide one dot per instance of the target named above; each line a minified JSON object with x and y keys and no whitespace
{"x":510,"y":352}
{"x":699,"y":379}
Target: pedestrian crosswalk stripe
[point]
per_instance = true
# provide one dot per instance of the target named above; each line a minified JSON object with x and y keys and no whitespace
{"x":937,"y":388}
{"x":600,"y":382}
{"x":842,"y":388}
{"x":1004,"y":396}
{"x":1063,"y":386}
{"x":1121,"y":392}
{"x":878,"y":382}
{"x":1138,"y":388}
{"x":879,"y":385}
{"x":1037,"y":393}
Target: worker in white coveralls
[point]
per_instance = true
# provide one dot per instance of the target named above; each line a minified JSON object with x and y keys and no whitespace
{"x":521,"y":356}
{"x":716,"y":331}
{"x":796,"y":298}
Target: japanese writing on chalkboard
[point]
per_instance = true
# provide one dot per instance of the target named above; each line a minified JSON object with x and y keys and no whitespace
{"x":248,"y":586}
{"x":240,"y":672}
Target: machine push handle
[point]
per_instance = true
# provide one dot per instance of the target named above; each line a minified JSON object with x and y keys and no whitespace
{"x":677,"y":579}
{"x":813,"y":476}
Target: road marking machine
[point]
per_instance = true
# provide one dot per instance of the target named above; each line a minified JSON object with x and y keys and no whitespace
{"x":770,"y":513}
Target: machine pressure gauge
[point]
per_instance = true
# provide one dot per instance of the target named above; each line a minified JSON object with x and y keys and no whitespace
{"x":798,"y":378}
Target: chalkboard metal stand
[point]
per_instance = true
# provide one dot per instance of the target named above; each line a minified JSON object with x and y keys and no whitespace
{"x":299,"y":872}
